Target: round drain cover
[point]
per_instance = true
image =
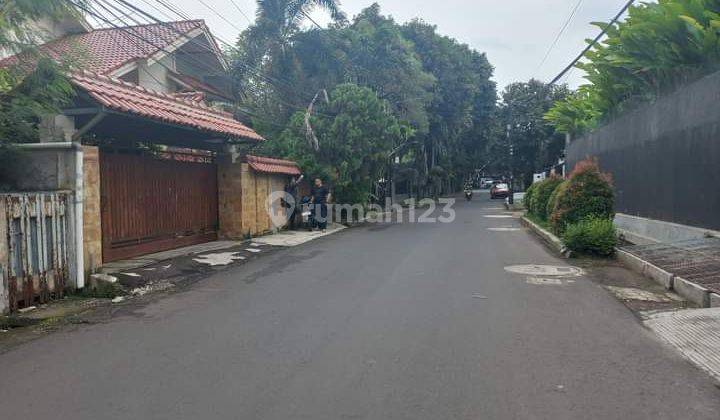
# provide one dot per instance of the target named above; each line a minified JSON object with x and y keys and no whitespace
{"x":545,"y":270}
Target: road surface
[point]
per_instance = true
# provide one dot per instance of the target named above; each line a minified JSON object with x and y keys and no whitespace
{"x":410,"y":321}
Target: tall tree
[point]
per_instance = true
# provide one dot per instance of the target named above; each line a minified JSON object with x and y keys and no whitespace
{"x":356,"y":135}
{"x":32,"y":85}
{"x":266,"y":46}
{"x":463,"y":98}
{"x":533,"y":142}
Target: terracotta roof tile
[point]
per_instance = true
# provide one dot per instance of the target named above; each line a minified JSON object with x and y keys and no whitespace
{"x":105,"y":50}
{"x":273,"y":166}
{"x":125,"y":97}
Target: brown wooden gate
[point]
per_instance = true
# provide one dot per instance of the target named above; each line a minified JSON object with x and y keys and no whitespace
{"x":149,"y":204}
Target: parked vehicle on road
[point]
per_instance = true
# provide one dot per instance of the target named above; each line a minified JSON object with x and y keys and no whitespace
{"x":500,"y":190}
{"x":487,"y":183}
{"x":306,"y":214}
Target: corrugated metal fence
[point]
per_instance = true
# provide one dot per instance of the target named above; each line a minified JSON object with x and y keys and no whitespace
{"x":36,"y":247}
{"x":664,"y":156}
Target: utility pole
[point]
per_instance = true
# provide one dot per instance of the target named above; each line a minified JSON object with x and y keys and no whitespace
{"x":510,"y":163}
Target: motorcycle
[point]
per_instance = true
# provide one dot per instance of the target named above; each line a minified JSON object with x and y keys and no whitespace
{"x":468,"y":195}
{"x":306,"y":214}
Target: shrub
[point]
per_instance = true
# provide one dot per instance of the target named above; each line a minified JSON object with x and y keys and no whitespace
{"x":592,"y":235}
{"x":588,"y":192}
{"x":553,"y":200}
{"x":541,"y":195}
{"x":529,"y":194}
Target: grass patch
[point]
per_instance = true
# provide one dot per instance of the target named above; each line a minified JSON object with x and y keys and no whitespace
{"x":538,"y":221}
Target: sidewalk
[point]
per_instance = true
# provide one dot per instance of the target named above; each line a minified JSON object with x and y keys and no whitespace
{"x":692,"y":269}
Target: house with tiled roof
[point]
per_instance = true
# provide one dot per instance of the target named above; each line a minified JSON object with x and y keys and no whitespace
{"x":148,"y":144}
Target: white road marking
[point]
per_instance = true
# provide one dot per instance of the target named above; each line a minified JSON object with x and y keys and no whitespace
{"x":252,"y":250}
{"x":505,"y":229}
{"x":498,"y":216}
{"x":538,"y":281}
{"x":220,"y":258}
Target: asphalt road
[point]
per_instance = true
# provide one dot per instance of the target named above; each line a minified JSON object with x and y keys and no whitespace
{"x":411,"y":321}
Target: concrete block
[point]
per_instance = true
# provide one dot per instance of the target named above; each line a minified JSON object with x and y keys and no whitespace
{"x":692,"y":292}
{"x":659,"y":275}
{"x":630,"y":261}
{"x":99,"y":280}
{"x":714,"y":300}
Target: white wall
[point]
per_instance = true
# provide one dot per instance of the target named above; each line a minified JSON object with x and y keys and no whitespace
{"x":155,"y":76}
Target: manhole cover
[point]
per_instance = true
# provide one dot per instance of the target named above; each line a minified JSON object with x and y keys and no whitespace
{"x":545,"y":270}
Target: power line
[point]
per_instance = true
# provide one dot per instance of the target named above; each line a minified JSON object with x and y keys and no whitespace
{"x":593,"y":42}
{"x":218,"y":14}
{"x":267,"y":79}
{"x":560,"y":33}
{"x":131,"y":31}
{"x":273,"y":81}
{"x":234,"y":3}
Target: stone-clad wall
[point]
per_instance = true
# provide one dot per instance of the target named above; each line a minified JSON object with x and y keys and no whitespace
{"x":4,"y":255}
{"x":92,"y":229}
{"x":230,"y":203}
{"x":243,"y":193}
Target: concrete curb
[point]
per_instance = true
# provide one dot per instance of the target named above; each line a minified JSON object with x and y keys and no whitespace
{"x":553,"y":241}
{"x":664,"y":278}
{"x":693,"y":292}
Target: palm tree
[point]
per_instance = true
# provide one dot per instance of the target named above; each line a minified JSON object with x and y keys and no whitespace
{"x":263,"y":49}
{"x":278,"y":20}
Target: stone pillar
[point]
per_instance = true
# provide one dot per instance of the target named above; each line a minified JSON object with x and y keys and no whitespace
{"x":230,"y":199}
{"x":92,"y":227}
{"x":4,"y":257}
{"x":249,"y":198}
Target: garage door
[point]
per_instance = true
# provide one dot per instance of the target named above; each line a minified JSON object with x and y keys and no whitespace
{"x":151,"y":204}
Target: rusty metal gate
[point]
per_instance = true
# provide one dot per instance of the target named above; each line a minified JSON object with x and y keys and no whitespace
{"x":37,"y":235}
{"x":152,"y":203}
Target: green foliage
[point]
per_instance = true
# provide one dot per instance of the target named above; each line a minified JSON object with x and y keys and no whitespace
{"x":356,"y":135}
{"x":35,"y":85}
{"x":552,"y":202}
{"x":432,"y":83}
{"x":588,"y":192}
{"x":534,"y":142}
{"x":538,"y":203}
{"x":15,"y":15}
{"x":591,"y":235}
{"x":659,"y":47}
{"x":530,"y":196}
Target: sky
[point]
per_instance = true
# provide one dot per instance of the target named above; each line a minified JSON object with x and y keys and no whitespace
{"x":515,"y":34}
